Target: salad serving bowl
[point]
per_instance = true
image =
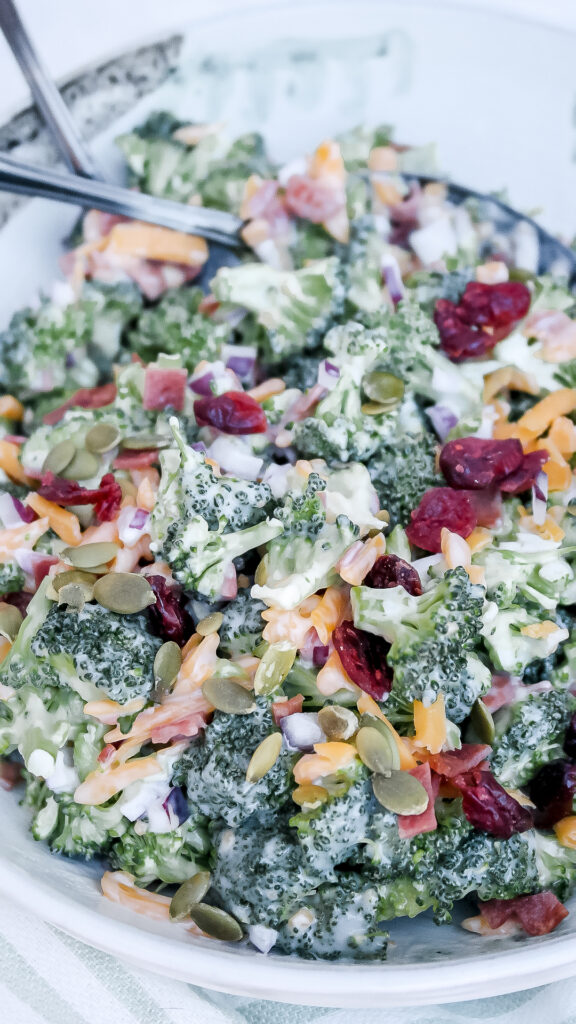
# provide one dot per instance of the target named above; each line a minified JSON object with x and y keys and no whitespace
{"x":297,"y":73}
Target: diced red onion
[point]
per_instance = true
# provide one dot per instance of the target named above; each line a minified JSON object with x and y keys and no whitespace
{"x":230,"y":584}
{"x":393,"y":278}
{"x":139,"y":519}
{"x":202,"y":385}
{"x":133,"y":523}
{"x":15,"y":438}
{"x":320,"y":655}
{"x":540,"y":491}
{"x":236,"y":458}
{"x":11,"y":510}
{"x":177,"y":803}
{"x":302,"y":730}
{"x":442,"y":419}
{"x":240,"y":359}
{"x":28,"y":559}
{"x":198,"y":446}
{"x":328,"y":375}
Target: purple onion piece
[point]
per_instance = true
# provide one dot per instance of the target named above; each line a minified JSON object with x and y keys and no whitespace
{"x":241,"y":365}
{"x":331,"y":369}
{"x":443,"y":420}
{"x":178,"y":804}
{"x":139,"y":519}
{"x":202,"y":385}
{"x":26,"y":513}
{"x":302,"y":730}
{"x":320,"y":655}
{"x":393,"y":279}
{"x":198,"y":446}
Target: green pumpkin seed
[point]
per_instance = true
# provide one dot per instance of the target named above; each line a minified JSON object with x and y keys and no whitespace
{"x":274,"y":666}
{"x":102,"y":438}
{"x":383,"y":388}
{"x":129,"y":490}
{"x":261,"y":574}
{"x":72,"y":595}
{"x":189,"y":894}
{"x":146,"y":442}
{"x":371,"y":722}
{"x":10,"y":620}
{"x":224,"y":695}
{"x":481,"y":724}
{"x":166,"y":668}
{"x":337,"y":723}
{"x":124,"y":592}
{"x":375,"y":408}
{"x":84,"y":465}
{"x":264,"y":757}
{"x":211,"y":624}
{"x":59,"y":457}
{"x":377,"y":750}
{"x":400,"y":792}
{"x":216,"y":923}
{"x":83,"y":513}
{"x":84,"y":579}
{"x":90,"y":556}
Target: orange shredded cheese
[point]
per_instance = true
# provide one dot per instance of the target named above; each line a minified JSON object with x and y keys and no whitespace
{"x":326,"y":759}
{"x":565,"y":830}
{"x":430,"y":725}
{"x":64,"y":523}
{"x":541,"y":415}
{"x":11,"y":408}
{"x":10,"y":463}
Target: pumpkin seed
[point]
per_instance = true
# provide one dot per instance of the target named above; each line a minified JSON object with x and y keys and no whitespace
{"x":382,"y":387}
{"x":375,"y":408}
{"x":145,"y":442}
{"x":83,"y":513}
{"x":481,"y":724}
{"x":377,"y":750}
{"x":216,"y":923}
{"x":72,"y":595}
{"x":229,"y":697}
{"x":124,"y":592}
{"x":90,"y":556}
{"x":211,"y":624}
{"x":383,"y":515}
{"x":10,"y":620}
{"x":166,"y":668}
{"x":102,"y":438}
{"x":189,"y":894}
{"x":59,"y":457}
{"x":129,"y":490}
{"x":274,"y":666}
{"x":85,"y":579}
{"x":264,"y":757}
{"x":400,"y":792}
{"x":371,"y":722}
{"x":84,"y":465}
{"x":261,"y":574}
{"x":337,"y":723}
{"x":310,"y":795}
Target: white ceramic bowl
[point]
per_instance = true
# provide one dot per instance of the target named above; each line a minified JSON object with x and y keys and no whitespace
{"x":463,"y":78}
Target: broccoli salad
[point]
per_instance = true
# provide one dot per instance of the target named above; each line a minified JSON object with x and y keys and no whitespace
{"x":288,"y":561}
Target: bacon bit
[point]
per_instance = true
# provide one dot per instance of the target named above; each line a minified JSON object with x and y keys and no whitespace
{"x":503,"y":691}
{"x":410,"y":825}
{"x":10,"y":774}
{"x":164,"y":387}
{"x":106,"y":754}
{"x":84,"y":398}
{"x":353,"y":570}
{"x":282,"y":708}
{"x":11,"y":408}
{"x":537,"y":914}
{"x":332,"y":677}
{"x":430,"y":725}
{"x":509,"y":377}
{"x":267,"y":389}
{"x":334,"y":606}
{"x":135,"y":460}
{"x":175,"y":709}
{"x":453,"y":762}
{"x":493,"y":272}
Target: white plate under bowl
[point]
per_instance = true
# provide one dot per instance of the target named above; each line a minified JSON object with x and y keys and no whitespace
{"x":497,"y":94}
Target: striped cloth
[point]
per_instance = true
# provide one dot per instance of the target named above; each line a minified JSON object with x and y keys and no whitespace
{"x":48,"y":978}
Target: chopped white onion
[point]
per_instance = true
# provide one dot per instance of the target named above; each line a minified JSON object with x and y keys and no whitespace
{"x":422,"y":565}
{"x":140,"y":795}
{"x":64,"y":778}
{"x":328,"y":374}
{"x":261,"y":937}
{"x":436,"y":240}
{"x":276,"y":477}
{"x":235,"y":457}
{"x":302,"y":730}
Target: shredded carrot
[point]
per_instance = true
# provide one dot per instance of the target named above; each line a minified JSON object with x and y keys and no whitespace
{"x":367,"y":706}
{"x":565,"y":830}
{"x":174,"y":708}
{"x":109,"y":711}
{"x":267,"y":389}
{"x":541,"y":415}
{"x":10,"y":463}
{"x":127,"y":559}
{"x":330,"y":612}
{"x":25,"y":536}
{"x":119,"y":887}
{"x":359,"y":566}
{"x":332,"y":677}
{"x":64,"y":523}
{"x":430,"y":725}
{"x":151,"y":242}
{"x":5,"y":646}
{"x":100,"y":786}
{"x":11,"y":408}
{"x":105,"y":533}
{"x":190,"y":644}
{"x":291,"y":625}
{"x":198,"y":665}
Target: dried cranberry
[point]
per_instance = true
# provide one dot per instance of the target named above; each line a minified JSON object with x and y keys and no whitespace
{"x":459,"y":339}
{"x":20,"y":600}
{"x":523,"y":477}
{"x":168,"y":617}
{"x":392,"y":571}
{"x":537,"y":914}
{"x":495,"y":305}
{"x":475,"y":463}
{"x":10,"y":774}
{"x":552,"y":790}
{"x":106,"y":498}
{"x":363,"y":656}
{"x":85,"y":398}
{"x":234,"y":412}
{"x":489,"y":808}
{"x":440,"y":507}
{"x":311,"y":199}
{"x":570,"y":739}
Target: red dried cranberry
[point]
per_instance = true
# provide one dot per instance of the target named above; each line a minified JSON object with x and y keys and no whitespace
{"x":168,"y":617}
{"x":392,"y":571}
{"x":234,"y":412}
{"x":311,"y":199}
{"x":85,"y":398}
{"x":495,"y":305}
{"x":475,"y":463}
{"x":537,"y":914}
{"x":106,"y":498}
{"x":363,"y":657}
{"x":570,"y":739}
{"x":10,"y":774}
{"x":552,"y":790}
{"x":440,"y":507}
{"x":489,"y":808}
{"x":20,"y":600}
{"x":523,"y":477}
{"x":459,"y":339}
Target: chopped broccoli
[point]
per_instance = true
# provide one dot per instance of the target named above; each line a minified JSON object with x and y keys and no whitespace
{"x":556,"y":864}
{"x":402,"y":470}
{"x":433,"y":638}
{"x":20,"y":667}
{"x":38,"y":722}
{"x":169,"y":857}
{"x":174,"y":326}
{"x":213,"y":768}
{"x":76,"y":830}
{"x":533,"y":737}
{"x":508,"y":634}
{"x":242,"y":625}
{"x":96,"y":648}
{"x":11,"y":578}
{"x":526,"y":568}
{"x":332,"y":833}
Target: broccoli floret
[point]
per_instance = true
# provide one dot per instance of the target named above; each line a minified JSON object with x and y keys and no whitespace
{"x":111,"y":652}
{"x":427,"y":286}
{"x":38,"y":723}
{"x":556,"y":864}
{"x":433,"y":638}
{"x":223,"y":188}
{"x":303,"y":558}
{"x":174,"y":326}
{"x":77,"y":830}
{"x":515,"y":636}
{"x":525,"y":570}
{"x":295,"y":306}
{"x":20,"y":667}
{"x":402,"y":470}
{"x":169,"y":857}
{"x":242,"y":625}
{"x":333,"y":832}
{"x":533,"y":737}
{"x":12,"y":578}
{"x":213,"y":768}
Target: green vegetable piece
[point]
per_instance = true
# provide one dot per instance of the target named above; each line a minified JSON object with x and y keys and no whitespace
{"x":83,"y":466}
{"x":481,"y":724}
{"x":274,"y":666}
{"x":91,"y":556}
{"x":216,"y":923}
{"x":229,"y":697}
{"x":10,"y":620}
{"x":400,"y":793}
{"x":102,"y":438}
{"x":264,"y":757}
{"x":384,"y":388}
{"x":377,"y":750}
{"x":145,"y":442}
{"x":59,"y":458}
{"x":72,"y":595}
{"x":189,"y":894}
{"x":211,"y":624}
{"x":124,"y":592}
{"x":337,"y":723}
{"x":166,"y":668}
